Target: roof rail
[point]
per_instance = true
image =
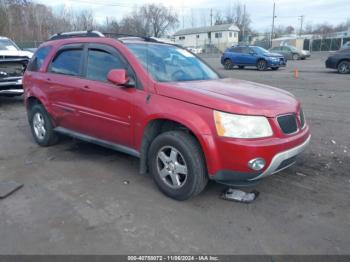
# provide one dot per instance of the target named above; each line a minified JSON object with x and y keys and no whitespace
{"x":88,"y":33}
{"x":122,"y":37}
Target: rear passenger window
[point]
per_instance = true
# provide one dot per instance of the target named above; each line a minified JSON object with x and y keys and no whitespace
{"x":67,"y":62}
{"x":39,"y":58}
{"x":100,"y":63}
{"x":237,"y":49}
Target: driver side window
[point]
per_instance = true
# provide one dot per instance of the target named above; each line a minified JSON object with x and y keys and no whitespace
{"x":100,"y":63}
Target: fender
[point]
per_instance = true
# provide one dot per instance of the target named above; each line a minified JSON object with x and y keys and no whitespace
{"x":193,"y":117}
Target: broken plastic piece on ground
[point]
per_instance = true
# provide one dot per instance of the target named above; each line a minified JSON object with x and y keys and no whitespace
{"x":239,"y":195}
{"x":8,"y":187}
{"x":126,"y":182}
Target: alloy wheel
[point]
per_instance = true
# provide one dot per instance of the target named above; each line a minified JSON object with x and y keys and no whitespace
{"x":39,"y":126}
{"x":344,"y":68}
{"x":171,"y":167}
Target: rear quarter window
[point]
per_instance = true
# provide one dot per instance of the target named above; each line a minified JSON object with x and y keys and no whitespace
{"x":38,"y":59}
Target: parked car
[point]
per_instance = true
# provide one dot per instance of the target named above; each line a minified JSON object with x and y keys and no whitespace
{"x":346,"y":45}
{"x":290,"y":52}
{"x":195,"y":50}
{"x":256,"y":56}
{"x":187,"y":124}
{"x":13,"y":62}
{"x":340,"y":60}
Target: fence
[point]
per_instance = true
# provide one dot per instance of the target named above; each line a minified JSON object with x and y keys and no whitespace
{"x":28,"y":44}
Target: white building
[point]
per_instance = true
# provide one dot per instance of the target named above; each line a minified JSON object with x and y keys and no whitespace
{"x":221,"y":36}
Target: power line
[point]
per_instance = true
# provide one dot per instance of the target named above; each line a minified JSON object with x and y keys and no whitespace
{"x":102,"y":3}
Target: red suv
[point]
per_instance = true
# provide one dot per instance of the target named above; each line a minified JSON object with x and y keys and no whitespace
{"x":161,"y":103}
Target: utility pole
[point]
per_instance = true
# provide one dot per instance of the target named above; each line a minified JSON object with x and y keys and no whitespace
{"x":301,"y":24}
{"x":211,"y":17}
{"x":244,"y":22}
{"x":273,"y":22}
{"x":183,"y":15}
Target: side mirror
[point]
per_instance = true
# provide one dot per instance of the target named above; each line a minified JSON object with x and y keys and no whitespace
{"x":118,"y":77}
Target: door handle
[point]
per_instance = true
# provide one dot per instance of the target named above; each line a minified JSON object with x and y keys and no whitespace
{"x":86,"y":87}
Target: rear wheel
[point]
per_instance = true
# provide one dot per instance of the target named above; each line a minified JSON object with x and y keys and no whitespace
{"x":344,"y":67}
{"x":41,"y":126}
{"x":261,"y":65}
{"x":177,"y":165}
{"x":228,"y":64}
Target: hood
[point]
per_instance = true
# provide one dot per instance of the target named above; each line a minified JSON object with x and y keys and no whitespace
{"x":18,"y":53}
{"x":233,"y":96}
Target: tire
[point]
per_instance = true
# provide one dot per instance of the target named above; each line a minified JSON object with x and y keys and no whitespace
{"x":261,"y":65}
{"x":344,"y":67}
{"x":296,"y":57}
{"x":177,"y":150}
{"x":228,"y":65}
{"x":41,"y":126}
{"x":275,"y":68}
{"x":241,"y":67}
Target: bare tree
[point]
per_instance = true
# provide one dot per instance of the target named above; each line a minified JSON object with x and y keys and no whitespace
{"x":240,"y":17}
{"x":159,"y":18}
{"x":219,"y":19}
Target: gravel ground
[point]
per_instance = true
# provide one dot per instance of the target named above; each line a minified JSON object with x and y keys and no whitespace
{"x":80,"y":198}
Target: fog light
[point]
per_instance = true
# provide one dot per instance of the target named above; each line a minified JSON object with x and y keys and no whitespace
{"x":256,"y":164}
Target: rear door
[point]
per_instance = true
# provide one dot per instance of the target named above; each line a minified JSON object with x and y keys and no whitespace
{"x":235,"y":55}
{"x":108,"y":107}
{"x":63,"y":80}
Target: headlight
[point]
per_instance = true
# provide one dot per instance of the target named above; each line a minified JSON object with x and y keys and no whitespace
{"x":240,"y":126}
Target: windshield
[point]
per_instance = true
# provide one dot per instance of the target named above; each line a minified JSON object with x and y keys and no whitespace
{"x":259,"y":50}
{"x":167,"y":63}
{"x":8,"y":45}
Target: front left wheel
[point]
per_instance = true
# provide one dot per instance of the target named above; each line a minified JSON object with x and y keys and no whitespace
{"x":41,"y":126}
{"x":261,"y":65}
{"x":177,"y":165}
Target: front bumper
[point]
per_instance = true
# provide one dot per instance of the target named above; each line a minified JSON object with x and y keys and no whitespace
{"x":11,"y":86}
{"x":331,"y":63}
{"x":283,"y":160}
{"x":277,"y":63}
{"x":279,"y":153}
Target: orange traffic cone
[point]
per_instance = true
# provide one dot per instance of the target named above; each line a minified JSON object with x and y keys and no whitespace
{"x":296,"y":73}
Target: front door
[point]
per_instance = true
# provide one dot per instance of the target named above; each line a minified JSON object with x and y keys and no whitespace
{"x":109,"y":107}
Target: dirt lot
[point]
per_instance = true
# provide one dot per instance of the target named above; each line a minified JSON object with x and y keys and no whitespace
{"x":76,"y":200}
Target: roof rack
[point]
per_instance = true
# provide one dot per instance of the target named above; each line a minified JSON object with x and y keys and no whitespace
{"x":124,"y":37}
{"x":118,"y":36}
{"x":89,"y":33}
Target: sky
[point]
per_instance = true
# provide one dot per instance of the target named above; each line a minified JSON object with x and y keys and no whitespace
{"x":197,"y":12}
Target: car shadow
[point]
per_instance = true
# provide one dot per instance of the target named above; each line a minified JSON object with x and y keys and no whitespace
{"x":6,"y":100}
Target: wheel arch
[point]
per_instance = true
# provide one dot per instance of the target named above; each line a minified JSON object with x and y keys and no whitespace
{"x":156,"y":126}
{"x":343,"y":60}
